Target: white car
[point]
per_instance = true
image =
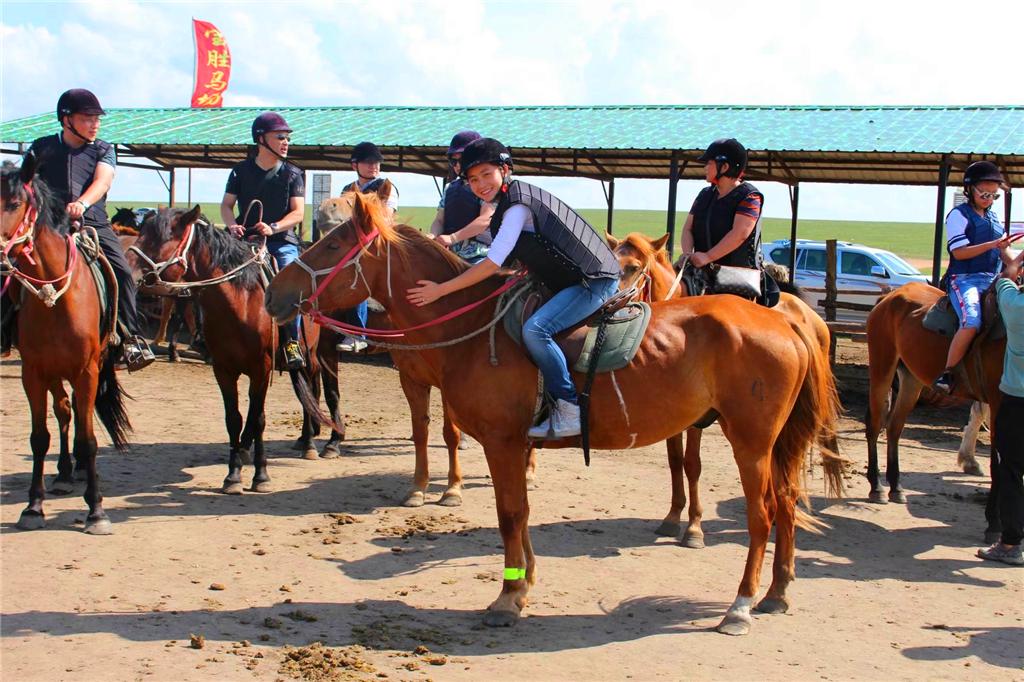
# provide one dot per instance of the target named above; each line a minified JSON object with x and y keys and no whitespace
{"x":864,"y":273}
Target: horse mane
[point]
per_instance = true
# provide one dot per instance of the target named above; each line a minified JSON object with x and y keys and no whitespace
{"x":225,"y":251}
{"x":52,"y":213}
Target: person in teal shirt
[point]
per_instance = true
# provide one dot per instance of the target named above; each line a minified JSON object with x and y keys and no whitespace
{"x":1009,"y":422}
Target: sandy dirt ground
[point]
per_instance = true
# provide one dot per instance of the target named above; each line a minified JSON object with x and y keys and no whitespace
{"x":326,"y":578}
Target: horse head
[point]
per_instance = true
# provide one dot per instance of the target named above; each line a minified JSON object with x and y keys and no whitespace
{"x":161,"y":247}
{"x":124,"y":221}
{"x":644,"y":262}
{"x":336,"y":272}
{"x":333,"y":211}
{"x":19,"y":205}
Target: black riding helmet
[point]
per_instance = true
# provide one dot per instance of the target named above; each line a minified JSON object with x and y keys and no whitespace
{"x":485,"y":150}
{"x":366,"y":152}
{"x":726,"y":150}
{"x":980,"y":171}
{"x":78,"y":101}
{"x":268,"y":122}
{"x":461,"y":139}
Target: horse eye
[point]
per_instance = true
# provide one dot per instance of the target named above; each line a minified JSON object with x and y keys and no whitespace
{"x":631,"y":269}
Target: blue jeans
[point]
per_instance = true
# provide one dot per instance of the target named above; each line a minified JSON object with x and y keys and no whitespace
{"x":562,"y":311}
{"x":965,"y":293}
{"x":284,"y":253}
{"x":358,"y":315}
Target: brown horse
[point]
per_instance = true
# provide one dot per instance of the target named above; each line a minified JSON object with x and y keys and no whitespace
{"x":240,"y":335}
{"x":732,"y":358}
{"x":646,"y":266}
{"x":416,"y":378}
{"x":899,"y":344}
{"x":59,"y":342}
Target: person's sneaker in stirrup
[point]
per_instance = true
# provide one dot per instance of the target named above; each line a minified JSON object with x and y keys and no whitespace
{"x":564,"y":421}
{"x":944,"y":384}
{"x":1007,"y":554}
{"x":293,"y":355}
{"x":351,"y":344}
{"x":137,"y":354}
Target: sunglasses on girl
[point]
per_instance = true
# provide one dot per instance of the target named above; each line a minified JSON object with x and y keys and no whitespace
{"x":987,"y":195}
{"x":283,"y":137}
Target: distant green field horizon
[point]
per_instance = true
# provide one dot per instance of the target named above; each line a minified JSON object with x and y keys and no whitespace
{"x":909,"y":240}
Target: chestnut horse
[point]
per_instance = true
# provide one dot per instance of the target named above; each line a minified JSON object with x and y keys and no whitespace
{"x":59,"y":342}
{"x":241,"y":337}
{"x":415,"y":377}
{"x":646,"y":266}
{"x":899,"y":344}
{"x":762,"y":377}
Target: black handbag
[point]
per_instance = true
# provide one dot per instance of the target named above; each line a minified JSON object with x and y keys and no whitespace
{"x":731,"y":279}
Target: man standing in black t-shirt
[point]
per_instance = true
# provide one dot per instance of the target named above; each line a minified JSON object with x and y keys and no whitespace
{"x":280,"y":187}
{"x":79,"y":168}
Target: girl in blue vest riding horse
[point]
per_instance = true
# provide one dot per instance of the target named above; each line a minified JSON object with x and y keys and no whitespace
{"x":462,"y":219}
{"x":558,"y":247}
{"x":978,"y":248}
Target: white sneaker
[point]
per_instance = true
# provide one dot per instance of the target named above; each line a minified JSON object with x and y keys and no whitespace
{"x":351,"y":344}
{"x":563,"y":422}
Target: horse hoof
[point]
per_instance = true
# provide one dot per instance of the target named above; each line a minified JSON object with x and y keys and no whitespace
{"x":62,"y":488}
{"x":451,"y":498}
{"x":877,"y":497}
{"x":244,"y":458}
{"x":234,"y":488}
{"x":668,"y":529}
{"x":693,"y":540}
{"x":31,"y":521}
{"x":734,"y":624}
{"x":772,"y":605}
{"x":415,"y":499}
{"x":972,"y":468}
{"x":262,"y":487}
{"x":991,"y":536}
{"x":501,"y":619}
{"x":897,"y":496}
{"x":330,"y":451}
{"x":310,"y":453}
{"x":99,"y":527}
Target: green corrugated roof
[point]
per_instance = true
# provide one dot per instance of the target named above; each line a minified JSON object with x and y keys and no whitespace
{"x":802,"y":142}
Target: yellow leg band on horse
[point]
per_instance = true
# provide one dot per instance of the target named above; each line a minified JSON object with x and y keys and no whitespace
{"x":515,"y":574}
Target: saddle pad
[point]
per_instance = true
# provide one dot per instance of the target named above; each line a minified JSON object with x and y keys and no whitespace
{"x":625,"y":332}
{"x":941,"y":319}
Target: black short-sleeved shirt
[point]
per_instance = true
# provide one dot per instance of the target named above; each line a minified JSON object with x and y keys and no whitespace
{"x":275,"y":188}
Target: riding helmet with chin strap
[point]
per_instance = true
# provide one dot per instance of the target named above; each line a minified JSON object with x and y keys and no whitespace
{"x":460,"y":140}
{"x":726,"y":150}
{"x":366,"y":152}
{"x":484,"y":150}
{"x":268,"y":122}
{"x":78,"y":101}
{"x":980,"y":171}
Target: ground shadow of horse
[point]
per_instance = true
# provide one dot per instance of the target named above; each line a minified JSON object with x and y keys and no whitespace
{"x":996,"y":646}
{"x":155,"y":484}
{"x":380,"y":624}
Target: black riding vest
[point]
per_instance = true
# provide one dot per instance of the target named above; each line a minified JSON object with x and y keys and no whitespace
{"x":461,"y":206}
{"x":69,"y":172}
{"x":564,"y":249}
{"x":715,"y":215}
{"x":369,"y":189}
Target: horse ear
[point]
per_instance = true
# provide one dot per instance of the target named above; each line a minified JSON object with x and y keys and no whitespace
{"x":659,"y":243}
{"x":191,"y":216}
{"x":360,"y":212}
{"x":384,"y":191}
{"x":613,"y":243}
{"x":28,"y":167}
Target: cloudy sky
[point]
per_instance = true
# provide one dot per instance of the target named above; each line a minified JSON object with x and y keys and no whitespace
{"x":450,"y":52}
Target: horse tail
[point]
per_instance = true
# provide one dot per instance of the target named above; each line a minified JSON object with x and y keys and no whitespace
{"x":813,"y":419}
{"x":110,"y":406}
{"x":309,"y":400}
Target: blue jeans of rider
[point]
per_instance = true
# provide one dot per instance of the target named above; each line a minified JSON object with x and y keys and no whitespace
{"x":562,"y":311}
{"x":284,"y":253}
{"x":358,"y":315}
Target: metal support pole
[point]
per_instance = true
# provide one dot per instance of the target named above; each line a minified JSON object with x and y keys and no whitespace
{"x":940,"y":207}
{"x":190,"y":186}
{"x":609,"y":197}
{"x":170,"y":190}
{"x":794,"y":207}
{"x":673,"y":182}
{"x":1008,"y":203}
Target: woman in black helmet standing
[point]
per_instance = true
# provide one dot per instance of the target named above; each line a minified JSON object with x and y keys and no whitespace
{"x":558,"y":247}
{"x":723,"y":226}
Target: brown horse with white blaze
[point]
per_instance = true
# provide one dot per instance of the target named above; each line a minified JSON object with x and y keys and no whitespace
{"x":59,"y":340}
{"x":744,"y":363}
{"x":646,"y":267}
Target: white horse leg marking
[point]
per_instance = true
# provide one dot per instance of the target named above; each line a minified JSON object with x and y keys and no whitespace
{"x":741,"y":607}
{"x":965,"y":456}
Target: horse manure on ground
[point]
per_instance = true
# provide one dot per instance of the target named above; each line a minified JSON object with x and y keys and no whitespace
{"x":317,"y":662}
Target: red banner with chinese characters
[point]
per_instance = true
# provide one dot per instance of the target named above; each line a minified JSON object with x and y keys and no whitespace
{"x":213,"y":65}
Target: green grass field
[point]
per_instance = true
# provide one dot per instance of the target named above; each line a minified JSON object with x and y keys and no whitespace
{"x":910,"y":240}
